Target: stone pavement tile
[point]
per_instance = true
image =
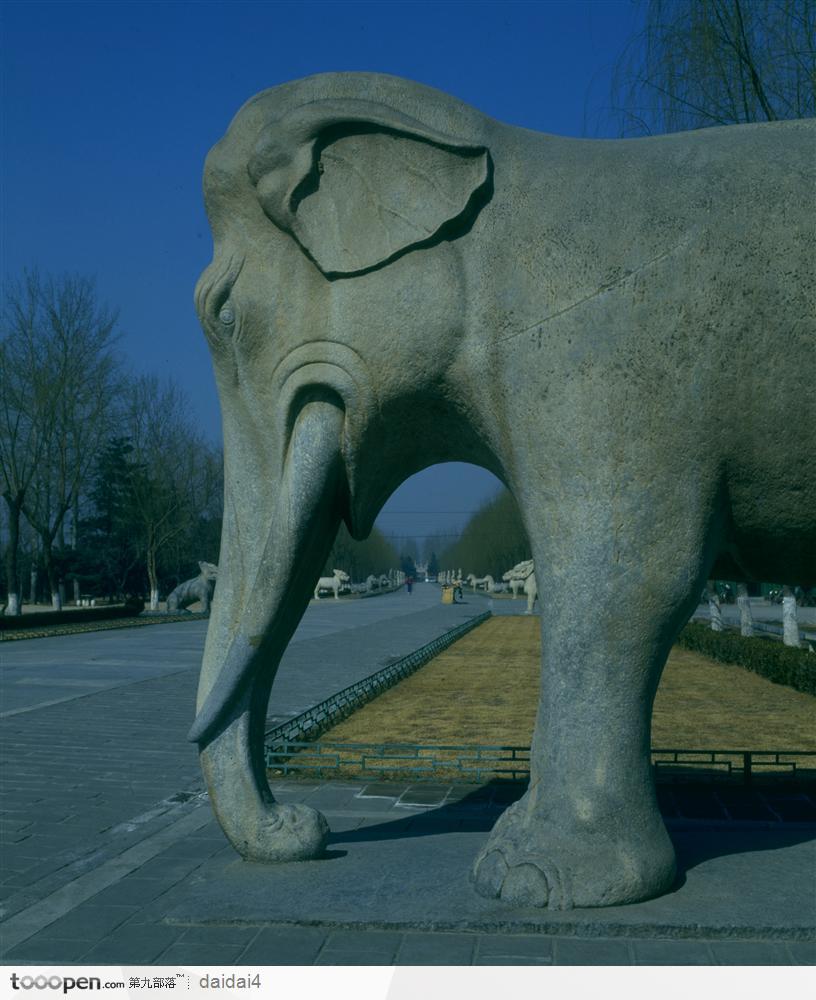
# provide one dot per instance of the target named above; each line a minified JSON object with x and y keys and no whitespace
{"x":381,"y":827}
{"x":285,"y":946}
{"x":153,"y":912}
{"x":419,"y":948}
{"x":343,"y":824}
{"x":12,"y":862}
{"x":342,"y":947}
{"x":170,"y":870}
{"x":7,"y":823}
{"x":590,"y":951}
{"x":210,"y":831}
{"x":89,"y":922}
{"x":535,"y":947}
{"x":368,"y":806}
{"x":33,"y":874}
{"x":802,"y":952}
{"x":383,"y":789}
{"x":281,"y":784}
{"x":671,"y":951}
{"x":477,"y":823}
{"x":353,"y":958}
{"x":508,"y":960}
{"x":749,"y":953}
{"x":458,"y":793}
{"x":219,"y":935}
{"x":19,"y":901}
{"x":17,"y":836}
{"x":132,"y":945}
{"x":326,"y":798}
{"x":131,"y":890}
{"x":186,"y":953}
{"x":200,"y":849}
{"x":42,"y":950}
{"x":424,"y":795}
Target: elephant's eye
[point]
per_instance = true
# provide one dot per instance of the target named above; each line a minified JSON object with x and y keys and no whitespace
{"x":226,"y":315}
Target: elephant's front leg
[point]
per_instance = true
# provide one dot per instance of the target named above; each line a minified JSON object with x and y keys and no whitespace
{"x":588,"y":831}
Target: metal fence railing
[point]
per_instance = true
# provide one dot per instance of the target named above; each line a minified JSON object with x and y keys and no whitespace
{"x":476,"y":764}
{"x":294,"y":747}
{"x":316,"y":720}
{"x":399,"y":761}
{"x":740,"y":764}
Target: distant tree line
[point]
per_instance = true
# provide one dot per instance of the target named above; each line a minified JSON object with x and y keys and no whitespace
{"x":373,"y":556}
{"x":492,"y":541}
{"x":108,"y":487}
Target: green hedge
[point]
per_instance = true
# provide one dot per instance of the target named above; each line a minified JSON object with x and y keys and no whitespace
{"x":78,"y":616}
{"x":781,"y":664}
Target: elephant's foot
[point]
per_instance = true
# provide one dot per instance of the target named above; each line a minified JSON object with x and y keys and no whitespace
{"x":543,"y":861}
{"x":281,"y":833}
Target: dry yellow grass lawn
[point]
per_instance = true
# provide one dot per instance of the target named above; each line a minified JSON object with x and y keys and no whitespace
{"x":484,"y":689}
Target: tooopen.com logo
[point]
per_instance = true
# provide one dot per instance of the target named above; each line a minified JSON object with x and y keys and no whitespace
{"x":62,"y":983}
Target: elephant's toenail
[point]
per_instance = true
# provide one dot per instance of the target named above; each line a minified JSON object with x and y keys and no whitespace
{"x":489,"y":874}
{"x":525,"y":885}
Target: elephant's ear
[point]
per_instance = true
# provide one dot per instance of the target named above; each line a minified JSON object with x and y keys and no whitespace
{"x":359,"y":184}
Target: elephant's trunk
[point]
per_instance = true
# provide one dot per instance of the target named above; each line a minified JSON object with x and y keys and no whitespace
{"x":263,"y":590}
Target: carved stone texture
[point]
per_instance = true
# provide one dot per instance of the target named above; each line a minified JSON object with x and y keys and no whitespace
{"x":400,"y":280}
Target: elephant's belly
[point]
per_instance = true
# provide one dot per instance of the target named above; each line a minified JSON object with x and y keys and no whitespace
{"x":772,"y":534}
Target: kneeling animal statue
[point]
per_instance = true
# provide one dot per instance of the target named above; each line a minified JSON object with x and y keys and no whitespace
{"x":398,"y":281}
{"x":199,"y":588}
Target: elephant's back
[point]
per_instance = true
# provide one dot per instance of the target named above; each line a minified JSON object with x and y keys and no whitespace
{"x":434,"y":108}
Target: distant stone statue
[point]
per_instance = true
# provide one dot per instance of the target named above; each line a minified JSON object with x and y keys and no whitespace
{"x":336,"y":583}
{"x":199,"y":588}
{"x":744,"y":605}
{"x":531,"y":590}
{"x":790,"y":623}
{"x":516,"y":576}
{"x":714,"y":611}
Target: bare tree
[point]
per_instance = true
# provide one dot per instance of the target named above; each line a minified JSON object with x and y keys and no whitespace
{"x":28,"y":409}
{"x":173,"y":477}
{"x":71,"y":388}
{"x":717,"y":62}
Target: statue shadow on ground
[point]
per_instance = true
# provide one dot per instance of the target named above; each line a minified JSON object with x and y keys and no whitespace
{"x":477,"y":812}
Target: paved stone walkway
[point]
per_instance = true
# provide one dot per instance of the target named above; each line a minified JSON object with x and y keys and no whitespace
{"x":106,"y":832}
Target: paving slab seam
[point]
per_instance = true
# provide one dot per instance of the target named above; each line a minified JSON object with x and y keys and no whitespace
{"x":39,"y":915}
{"x":541,"y":928}
{"x":89,"y":694}
{"x":73,"y":863}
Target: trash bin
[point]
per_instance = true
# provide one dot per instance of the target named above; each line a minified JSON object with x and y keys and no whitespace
{"x":447,"y":595}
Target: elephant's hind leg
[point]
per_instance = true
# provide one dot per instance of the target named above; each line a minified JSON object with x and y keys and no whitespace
{"x":588,"y":831}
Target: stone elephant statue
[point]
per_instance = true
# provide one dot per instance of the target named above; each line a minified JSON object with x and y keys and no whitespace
{"x":199,"y":588}
{"x":398,"y":281}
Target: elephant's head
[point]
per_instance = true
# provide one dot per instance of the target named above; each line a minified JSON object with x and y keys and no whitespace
{"x":333,"y":303}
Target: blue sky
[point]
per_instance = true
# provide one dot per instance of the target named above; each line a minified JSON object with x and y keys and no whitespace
{"x":107,"y":111}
